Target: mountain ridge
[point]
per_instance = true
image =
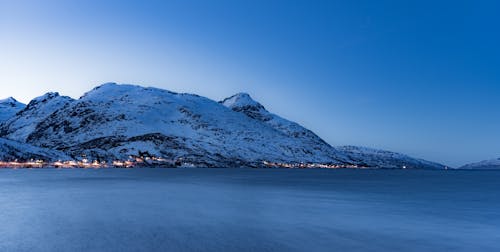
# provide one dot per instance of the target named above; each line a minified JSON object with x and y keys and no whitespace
{"x":9,"y":107}
{"x":116,"y":122}
{"x":490,"y":164}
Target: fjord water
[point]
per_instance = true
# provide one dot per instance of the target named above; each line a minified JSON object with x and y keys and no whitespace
{"x":248,"y":210}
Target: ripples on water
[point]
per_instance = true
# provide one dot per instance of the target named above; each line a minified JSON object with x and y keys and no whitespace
{"x":249,"y":210}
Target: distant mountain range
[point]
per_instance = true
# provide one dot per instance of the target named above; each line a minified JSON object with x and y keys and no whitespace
{"x":117,"y":122}
{"x":484,"y":165}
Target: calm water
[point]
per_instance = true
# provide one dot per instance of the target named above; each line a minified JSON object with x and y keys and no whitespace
{"x":249,"y":210}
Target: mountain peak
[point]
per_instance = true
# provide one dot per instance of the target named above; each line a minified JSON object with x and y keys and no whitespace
{"x":105,"y":86}
{"x":11,"y":102}
{"x":108,"y":84}
{"x":117,"y":121}
{"x":111,"y":89}
{"x":43,"y":99}
{"x":8,"y":100}
{"x":241,"y":100}
{"x":9,"y":107}
{"x":47,"y":96}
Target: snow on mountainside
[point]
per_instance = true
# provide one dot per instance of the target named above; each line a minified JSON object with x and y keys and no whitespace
{"x":115,"y":121}
{"x":8,"y":108}
{"x":243,"y":103}
{"x":20,"y":126}
{"x":362,"y":156}
{"x":12,"y":150}
{"x":119,"y":121}
{"x":386,"y":159}
{"x":486,"y":165}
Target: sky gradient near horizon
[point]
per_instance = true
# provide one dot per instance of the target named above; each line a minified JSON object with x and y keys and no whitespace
{"x":418,"y":77}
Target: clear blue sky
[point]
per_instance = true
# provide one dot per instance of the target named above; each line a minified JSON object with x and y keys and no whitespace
{"x":419,"y":77}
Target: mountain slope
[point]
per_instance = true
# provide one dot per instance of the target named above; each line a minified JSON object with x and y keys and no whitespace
{"x":116,"y":121}
{"x":360,"y":156}
{"x":24,"y":123}
{"x":119,"y":122}
{"x":385,"y":159}
{"x":484,"y":165}
{"x":12,"y":150}
{"x":243,"y":103}
{"x":8,"y":108}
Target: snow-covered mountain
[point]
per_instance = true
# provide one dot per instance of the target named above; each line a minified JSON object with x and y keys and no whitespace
{"x":19,"y":127}
{"x":244,"y":104}
{"x":118,"y":121}
{"x":8,"y":108}
{"x":12,"y":150}
{"x":381,"y":158}
{"x":361,"y":156}
{"x":484,"y":165}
